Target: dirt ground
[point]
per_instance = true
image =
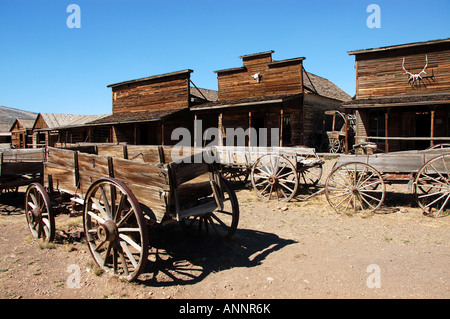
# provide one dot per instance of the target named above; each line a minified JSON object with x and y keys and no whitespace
{"x":295,"y":250}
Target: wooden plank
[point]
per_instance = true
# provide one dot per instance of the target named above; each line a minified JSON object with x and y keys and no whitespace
{"x":111,"y":150}
{"x":93,"y":163}
{"x":141,"y":153}
{"x":141,"y":173}
{"x":62,"y":177}
{"x":61,"y":157}
{"x":184,"y":172}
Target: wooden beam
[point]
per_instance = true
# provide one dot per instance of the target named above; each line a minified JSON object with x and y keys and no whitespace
{"x":432,"y":127}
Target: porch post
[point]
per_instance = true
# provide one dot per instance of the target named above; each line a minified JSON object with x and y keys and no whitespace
{"x":386,"y":125}
{"x":432,"y":128}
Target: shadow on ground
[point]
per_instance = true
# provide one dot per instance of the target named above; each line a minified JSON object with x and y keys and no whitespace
{"x":180,"y":259}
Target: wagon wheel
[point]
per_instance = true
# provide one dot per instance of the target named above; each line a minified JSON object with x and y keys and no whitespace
{"x":38,"y":211}
{"x":220,"y":222}
{"x":115,"y":228}
{"x":355,"y":186}
{"x":274,"y":177}
{"x":310,"y":176}
{"x":236,"y":176}
{"x":432,"y":186}
{"x":334,"y":145}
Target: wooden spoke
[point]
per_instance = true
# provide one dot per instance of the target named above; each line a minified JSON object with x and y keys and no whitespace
{"x":221,"y":223}
{"x":432,"y":187}
{"x":115,"y":228}
{"x":39,"y":214}
{"x":353,"y":187}
{"x":310,"y":176}
{"x":274,"y":177}
{"x":238,"y":177}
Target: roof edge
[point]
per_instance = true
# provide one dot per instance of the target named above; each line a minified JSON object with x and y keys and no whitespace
{"x":150,"y":78}
{"x":399,"y":46}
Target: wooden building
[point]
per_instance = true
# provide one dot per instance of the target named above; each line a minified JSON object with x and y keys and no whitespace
{"x":403,"y":95}
{"x":5,"y":135}
{"x":147,"y":110}
{"x":51,"y":128}
{"x":268,"y":94}
{"x":21,"y":133}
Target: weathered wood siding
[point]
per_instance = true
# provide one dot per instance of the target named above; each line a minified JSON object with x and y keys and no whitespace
{"x":163,"y":94}
{"x":381,"y":74}
{"x":283,"y":77}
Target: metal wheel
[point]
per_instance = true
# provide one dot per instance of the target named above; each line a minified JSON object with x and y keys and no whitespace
{"x":432,"y":186}
{"x":220,"y":222}
{"x":310,"y":176}
{"x":274,"y":177}
{"x":355,"y":186}
{"x":39,"y":214}
{"x":115,"y":228}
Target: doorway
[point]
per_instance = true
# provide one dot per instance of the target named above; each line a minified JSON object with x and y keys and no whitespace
{"x":423,"y":128}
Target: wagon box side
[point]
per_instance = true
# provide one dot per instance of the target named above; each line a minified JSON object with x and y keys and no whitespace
{"x":73,"y":172}
{"x":21,"y":162}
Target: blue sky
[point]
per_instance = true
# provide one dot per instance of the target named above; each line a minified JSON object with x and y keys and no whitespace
{"x":47,"y":67}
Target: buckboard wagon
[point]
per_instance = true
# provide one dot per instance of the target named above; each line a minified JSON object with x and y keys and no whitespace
{"x":358,"y":182}
{"x":20,"y":167}
{"x":275,"y":172}
{"x":122,"y":190}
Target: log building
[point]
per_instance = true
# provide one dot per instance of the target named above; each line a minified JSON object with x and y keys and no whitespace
{"x":402,"y":97}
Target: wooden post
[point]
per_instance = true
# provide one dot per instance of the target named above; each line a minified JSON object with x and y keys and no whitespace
{"x":281,"y":128}
{"x":220,"y":129}
{"x":195,"y":130}
{"x":386,"y":127}
{"x":250,"y":129}
{"x":162,"y":132}
{"x":432,"y":128}
{"x":346,"y":133}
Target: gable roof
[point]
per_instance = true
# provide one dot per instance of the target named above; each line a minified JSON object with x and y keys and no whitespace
{"x":26,"y":123}
{"x":321,"y":86}
{"x":59,"y":120}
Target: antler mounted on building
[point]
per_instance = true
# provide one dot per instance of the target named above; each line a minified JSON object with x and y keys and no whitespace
{"x":417,"y":78}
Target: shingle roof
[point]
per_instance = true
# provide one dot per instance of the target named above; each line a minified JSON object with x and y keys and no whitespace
{"x":131,"y":117}
{"x":210,"y":95}
{"x":58,"y":120}
{"x":26,"y":123}
{"x":316,"y":84}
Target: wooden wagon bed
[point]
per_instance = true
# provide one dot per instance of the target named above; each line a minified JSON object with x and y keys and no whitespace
{"x":276,"y":172}
{"x":357,"y":182}
{"x":20,"y":167}
{"x":122,"y":190}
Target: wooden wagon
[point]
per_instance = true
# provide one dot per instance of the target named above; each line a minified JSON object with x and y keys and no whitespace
{"x":337,"y":137}
{"x":20,"y":167}
{"x":124,"y":189}
{"x":275,"y":172}
{"x":358,"y":182}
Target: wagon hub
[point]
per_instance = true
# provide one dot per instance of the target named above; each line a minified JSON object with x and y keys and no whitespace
{"x":272,"y":180}
{"x":34,"y":215}
{"x":107,"y":231}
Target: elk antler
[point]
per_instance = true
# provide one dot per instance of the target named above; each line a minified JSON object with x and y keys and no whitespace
{"x":415,"y":77}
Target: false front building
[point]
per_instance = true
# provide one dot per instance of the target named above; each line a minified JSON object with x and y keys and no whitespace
{"x":402,"y":95}
{"x":267,"y":94}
